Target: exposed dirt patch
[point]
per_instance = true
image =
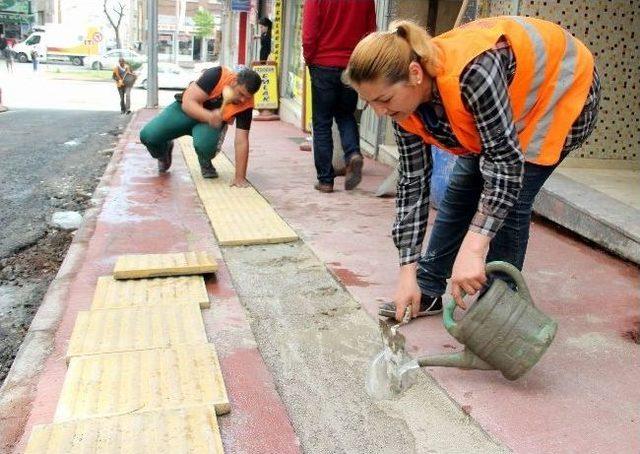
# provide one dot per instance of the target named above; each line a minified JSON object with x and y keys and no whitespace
{"x":24,"y":279}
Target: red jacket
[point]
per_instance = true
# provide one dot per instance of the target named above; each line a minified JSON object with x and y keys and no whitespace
{"x":332,"y":28}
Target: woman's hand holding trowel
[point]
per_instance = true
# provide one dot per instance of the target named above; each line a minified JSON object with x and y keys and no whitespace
{"x":407,"y":292}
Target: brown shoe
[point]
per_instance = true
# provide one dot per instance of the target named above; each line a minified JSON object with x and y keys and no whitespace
{"x":354,"y":172}
{"x":323,"y":187}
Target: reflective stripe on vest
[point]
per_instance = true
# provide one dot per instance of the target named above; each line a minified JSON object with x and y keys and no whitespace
{"x":553,"y":74}
{"x":229,"y":110}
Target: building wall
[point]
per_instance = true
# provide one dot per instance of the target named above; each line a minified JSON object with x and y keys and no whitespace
{"x":607,"y":28}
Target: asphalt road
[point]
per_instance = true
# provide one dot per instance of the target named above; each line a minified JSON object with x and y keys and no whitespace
{"x":48,"y":158}
{"x":51,"y":161}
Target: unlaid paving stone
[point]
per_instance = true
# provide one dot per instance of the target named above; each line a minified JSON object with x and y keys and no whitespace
{"x":155,"y":265}
{"x":138,"y":328}
{"x":192,"y":430}
{"x":239,"y":216}
{"x":116,"y":384}
{"x":111,"y":293}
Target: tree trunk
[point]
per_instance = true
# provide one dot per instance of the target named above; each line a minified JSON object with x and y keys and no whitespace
{"x":203,"y":49}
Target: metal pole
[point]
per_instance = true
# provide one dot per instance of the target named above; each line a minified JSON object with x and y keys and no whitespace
{"x":152,"y":54}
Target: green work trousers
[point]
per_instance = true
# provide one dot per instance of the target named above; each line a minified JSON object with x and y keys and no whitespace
{"x":172,"y":123}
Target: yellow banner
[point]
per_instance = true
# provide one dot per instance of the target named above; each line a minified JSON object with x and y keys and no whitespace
{"x":308,"y":126}
{"x":276,"y":33}
{"x":267,"y":96}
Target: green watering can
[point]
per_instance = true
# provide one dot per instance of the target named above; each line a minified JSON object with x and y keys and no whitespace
{"x":502,"y":330}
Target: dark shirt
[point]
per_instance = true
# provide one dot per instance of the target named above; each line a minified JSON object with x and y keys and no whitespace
{"x":208,"y":81}
{"x":265,"y":45}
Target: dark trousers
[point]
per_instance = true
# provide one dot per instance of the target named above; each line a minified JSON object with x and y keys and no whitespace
{"x":332,"y":99}
{"x":125,"y":98}
{"x":455,"y":213}
{"x":172,"y":123}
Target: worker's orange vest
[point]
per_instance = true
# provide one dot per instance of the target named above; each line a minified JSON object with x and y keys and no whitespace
{"x":227,"y":77}
{"x":553,"y":75}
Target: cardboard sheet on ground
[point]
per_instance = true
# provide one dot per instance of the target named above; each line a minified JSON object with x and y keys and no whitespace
{"x":239,"y":216}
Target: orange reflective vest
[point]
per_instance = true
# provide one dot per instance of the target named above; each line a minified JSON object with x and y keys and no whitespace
{"x":229,"y":110}
{"x":553,"y":75}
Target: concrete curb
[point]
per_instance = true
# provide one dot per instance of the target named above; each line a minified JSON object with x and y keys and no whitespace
{"x":591,"y":214}
{"x":18,"y":390}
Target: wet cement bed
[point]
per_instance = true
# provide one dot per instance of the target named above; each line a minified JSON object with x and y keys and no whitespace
{"x":318,"y":342}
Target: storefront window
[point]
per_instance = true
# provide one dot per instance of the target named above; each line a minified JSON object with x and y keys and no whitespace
{"x":165,"y":43}
{"x":185,"y":45}
{"x":294,"y":66}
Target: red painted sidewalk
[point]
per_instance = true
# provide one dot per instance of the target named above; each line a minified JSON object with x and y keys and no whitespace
{"x":147,"y":213}
{"x":582,"y":397}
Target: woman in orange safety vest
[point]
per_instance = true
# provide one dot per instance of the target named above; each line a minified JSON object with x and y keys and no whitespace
{"x":512,"y":96}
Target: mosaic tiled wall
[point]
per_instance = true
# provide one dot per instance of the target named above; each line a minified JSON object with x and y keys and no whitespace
{"x":608,"y":29}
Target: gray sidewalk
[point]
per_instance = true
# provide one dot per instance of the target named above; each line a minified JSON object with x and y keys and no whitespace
{"x":602,"y":205}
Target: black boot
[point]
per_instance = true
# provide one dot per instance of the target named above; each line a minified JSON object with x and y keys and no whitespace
{"x":164,"y":163}
{"x":208,"y":171}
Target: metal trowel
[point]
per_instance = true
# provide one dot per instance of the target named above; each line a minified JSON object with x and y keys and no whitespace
{"x":391,"y":371}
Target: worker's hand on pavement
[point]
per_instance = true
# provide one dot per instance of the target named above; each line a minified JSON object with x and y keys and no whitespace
{"x":407,"y":292}
{"x":239,"y":183}
{"x":468,"y":274}
{"x":215,"y":119}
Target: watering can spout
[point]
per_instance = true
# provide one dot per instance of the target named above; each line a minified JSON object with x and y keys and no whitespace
{"x":464,"y":360}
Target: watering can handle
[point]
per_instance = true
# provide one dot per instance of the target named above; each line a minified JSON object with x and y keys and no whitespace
{"x":493,"y":267}
{"x":514,"y":273}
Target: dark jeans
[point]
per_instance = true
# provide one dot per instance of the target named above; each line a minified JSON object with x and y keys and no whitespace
{"x":455,"y":213}
{"x":332,"y":99}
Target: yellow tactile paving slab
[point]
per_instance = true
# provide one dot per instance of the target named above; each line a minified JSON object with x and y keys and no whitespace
{"x":111,"y":293}
{"x":238,"y":215}
{"x":192,"y":430}
{"x":115,"y":384}
{"x":155,"y":265}
{"x":138,"y":328}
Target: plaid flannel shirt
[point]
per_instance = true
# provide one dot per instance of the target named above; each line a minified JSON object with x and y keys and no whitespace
{"x":484,"y":84}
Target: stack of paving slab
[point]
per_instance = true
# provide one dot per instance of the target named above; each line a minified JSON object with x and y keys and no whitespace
{"x":142,"y":377}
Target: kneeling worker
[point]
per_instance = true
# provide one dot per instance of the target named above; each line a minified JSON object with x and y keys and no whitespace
{"x":203,"y":111}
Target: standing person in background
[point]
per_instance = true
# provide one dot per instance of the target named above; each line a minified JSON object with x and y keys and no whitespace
{"x":34,"y":60}
{"x":8,"y":57}
{"x":330,"y":31}
{"x":3,"y":44}
{"x":265,"y":38}
{"x":120,"y":73}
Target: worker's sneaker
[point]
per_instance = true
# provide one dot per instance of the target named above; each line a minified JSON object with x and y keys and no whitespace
{"x":165,"y":163}
{"x":323,"y":187}
{"x":429,"y":305}
{"x":353,"y":175}
{"x":208,"y":171}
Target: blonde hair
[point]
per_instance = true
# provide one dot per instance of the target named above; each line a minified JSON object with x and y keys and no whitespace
{"x":388,"y":54}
